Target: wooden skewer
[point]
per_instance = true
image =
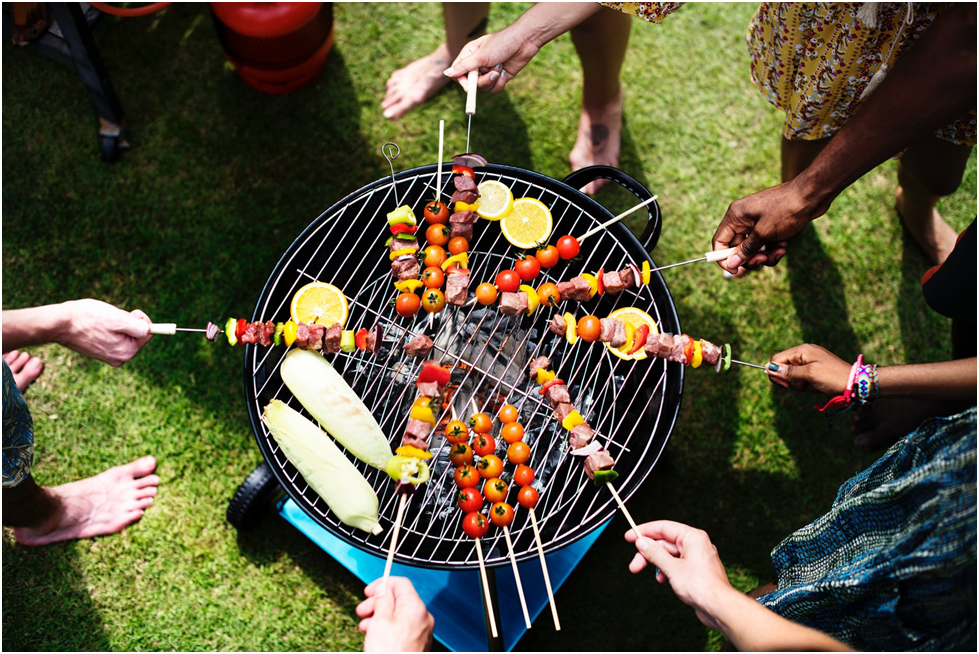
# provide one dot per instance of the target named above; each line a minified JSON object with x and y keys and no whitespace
{"x":438,"y":189}
{"x":486,"y":590}
{"x":543,"y":565}
{"x":394,"y":537}
{"x":616,"y":219}
{"x":625,"y":511}
{"x":516,"y":576}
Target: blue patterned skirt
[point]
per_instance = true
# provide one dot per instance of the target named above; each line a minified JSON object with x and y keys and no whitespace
{"x":18,"y":433}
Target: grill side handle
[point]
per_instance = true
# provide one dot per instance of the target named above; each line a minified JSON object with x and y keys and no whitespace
{"x":654,"y":223}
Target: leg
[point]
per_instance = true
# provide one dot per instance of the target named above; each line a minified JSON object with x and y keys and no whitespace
{"x":930,"y":169}
{"x":601,"y":43}
{"x":104,"y":504}
{"x":24,"y":367}
{"x":798,"y":154}
{"x":414,"y":84}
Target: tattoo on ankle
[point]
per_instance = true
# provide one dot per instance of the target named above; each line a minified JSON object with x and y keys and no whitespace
{"x":598,"y":135}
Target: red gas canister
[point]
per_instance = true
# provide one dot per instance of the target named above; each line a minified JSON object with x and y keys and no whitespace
{"x":276,"y":47}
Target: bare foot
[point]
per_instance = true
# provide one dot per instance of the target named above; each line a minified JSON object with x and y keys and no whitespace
{"x":24,"y":367}
{"x":414,"y":84}
{"x":891,"y":419}
{"x":599,"y":139}
{"x":934,"y":236}
{"x":104,"y":504}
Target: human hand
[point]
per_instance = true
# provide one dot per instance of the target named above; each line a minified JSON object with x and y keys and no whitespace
{"x":810,"y":368}
{"x":101,"y":331}
{"x":498,"y":57}
{"x":394,"y":618}
{"x":686,"y":558}
{"x":769,"y":217}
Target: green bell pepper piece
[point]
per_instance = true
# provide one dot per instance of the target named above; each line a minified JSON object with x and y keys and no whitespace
{"x":408,"y":468}
{"x":605,"y":476}
{"x":277,"y":334}
{"x":348,"y":342}
{"x":229,"y":331}
{"x":403,"y":215}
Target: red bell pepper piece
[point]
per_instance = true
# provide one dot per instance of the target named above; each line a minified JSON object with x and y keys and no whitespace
{"x":360,"y":339}
{"x":404,"y":229}
{"x":433,"y":373}
{"x":639,"y":339}
{"x":687,"y":350}
{"x":600,"y":276}
{"x":240,"y":329}
{"x":463,"y":170}
{"x":547,"y":385}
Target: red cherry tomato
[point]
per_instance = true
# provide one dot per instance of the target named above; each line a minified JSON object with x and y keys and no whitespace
{"x":475,"y":525}
{"x":548,"y":294}
{"x":508,"y":413}
{"x":407,"y":305}
{"x":481,"y":423}
{"x":438,"y":235}
{"x":523,"y":475}
{"x":518,"y":452}
{"x":486,"y":293}
{"x":433,"y":277}
{"x":589,"y":328}
{"x":495,"y":490}
{"x":456,"y":432}
{"x":548,"y":257}
{"x":436,"y":213}
{"x":527,"y":268}
{"x":461,"y":454}
{"x":434,"y":256}
{"x":433,"y":300}
{"x":568,"y":247}
{"x":466,"y":476}
{"x":469,"y":500}
{"x":490,"y":466}
{"x":484,"y":444}
{"x":527,"y":497}
{"x":501,"y":514}
{"x":508,"y":281}
{"x":512,"y":432}
{"x":458,"y":245}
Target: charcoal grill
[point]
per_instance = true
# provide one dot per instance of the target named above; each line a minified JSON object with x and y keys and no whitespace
{"x":632,"y":405}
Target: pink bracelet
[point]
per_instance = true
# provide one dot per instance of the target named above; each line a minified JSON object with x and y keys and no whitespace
{"x":847,"y":396}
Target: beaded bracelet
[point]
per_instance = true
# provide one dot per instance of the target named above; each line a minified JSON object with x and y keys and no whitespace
{"x":861,"y":388}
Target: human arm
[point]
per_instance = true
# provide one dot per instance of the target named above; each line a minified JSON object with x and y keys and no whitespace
{"x":932,"y":84}
{"x":813,"y":368}
{"x":89,"y":327}
{"x":512,"y":48}
{"x":698,"y":578}
{"x":394,"y":618}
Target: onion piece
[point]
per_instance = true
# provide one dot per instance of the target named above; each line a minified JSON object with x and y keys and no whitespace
{"x":470,"y":160}
{"x":212,"y":331}
{"x":636,"y":275}
{"x":587,"y":450}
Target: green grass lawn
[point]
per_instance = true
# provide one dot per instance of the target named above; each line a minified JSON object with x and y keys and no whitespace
{"x":221,"y":179}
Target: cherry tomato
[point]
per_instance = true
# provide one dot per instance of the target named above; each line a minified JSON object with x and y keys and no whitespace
{"x":527,"y":268}
{"x":527,"y":497}
{"x":548,"y":257}
{"x":508,"y":413}
{"x":461,"y":454}
{"x":466,"y":476}
{"x":481,"y":423}
{"x":469,"y":500}
{"x":486,"y":293}
{"x":508,"y":281}
{"x":512,"y":432}
{"x":484,"y":444}
{"x":518,"y":452}
{"x":523,"y":475}
{"x":548,"y":294}
{"x":495,"y":490}
{"x":490,"y":466}
{"x":435,"y":255}
{"x":456,"y":432}
{"x":458,"y":245}
{"x":475,"y":525}
{"x":501,"y":514}
{"x":589,"y":328}
{"x":436,"y":213}
{"x":568,"y":247}
{"x":433,"y":277}
{"x":433,"y":300}
{"x":437,"y":235}
{"x":407,"y":305}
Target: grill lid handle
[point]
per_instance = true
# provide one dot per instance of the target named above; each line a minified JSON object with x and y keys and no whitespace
{"x":650,"y":234}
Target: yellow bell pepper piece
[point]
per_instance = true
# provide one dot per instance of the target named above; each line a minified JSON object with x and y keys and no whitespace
{"x":533,"y":300}
{"x":423,"y":413}
{"x":698,"y":355}
{"x":572,"y":333}
{"x":544,"y":376}
{"x":423,"y":401}
{"x":593,"y":282}
{"x":409,"y":285}
{"x":572,"y":420}
{"x":399,"y":253}
{"x":408,"y":450}
{"x":630,"y":333}
{"x":461,"y":260}
{"x":647,"y":273}
{"x":462,"y":206}
{"x":289,"y":333}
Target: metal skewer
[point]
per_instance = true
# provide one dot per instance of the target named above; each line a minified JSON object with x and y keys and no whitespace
{"x":750,"y":365}
{"x":616,"y":219}
{"x":717,"y":255}
{"x":170,"y":328}
{"x":470,"y":101}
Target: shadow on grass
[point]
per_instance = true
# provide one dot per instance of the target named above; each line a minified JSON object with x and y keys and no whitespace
{"x":45,"y":599}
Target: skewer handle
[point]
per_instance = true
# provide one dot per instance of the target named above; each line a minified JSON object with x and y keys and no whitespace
{"x":721,"y":255}
{"x":486,"y":590}
{"x":394,"y":537}
{"x":516,"y":577}
{"x":625,"y":511}
{"x":471,"y":91}
{"x":163,"y":328}
{"x":616,"y":219}
{"x":543,"y":565}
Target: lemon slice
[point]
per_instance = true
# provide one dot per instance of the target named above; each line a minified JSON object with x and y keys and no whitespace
{"x":320,"y":303}
{"x":633,"y":318}
{"x":495,"y":200}
{"x":529,"y":223}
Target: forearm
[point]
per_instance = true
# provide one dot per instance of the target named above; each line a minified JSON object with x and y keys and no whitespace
{"x":948,"y":380}
{"x":35,"y":326}
{"x":752,"y":627}
{"x":546,"y":21}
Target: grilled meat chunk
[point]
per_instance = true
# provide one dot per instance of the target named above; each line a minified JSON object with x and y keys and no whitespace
{"x":419,"y":346}
{"x":559,"y":325}
{"x":302,"y":336}
{"x":613,"y":282}
{"x":562,"y":410}
{"x":577,"y":289}
{"x":331,"y":338}
{"x":465,"y":217}
{"x":608,"y":330}
{"x":711,"y":352}
{"x":659,"y":345}
{"x":600,"y":460}
{"x":619,"y":337}
{"x":461,"y":229}
{"x":469,"y":197}
{"x":405,"y":267}
{"x":679,"y":349}
{"x":428,"y":389}
{"x":513,"y":304}
{"x":402,"y":244}
{"x":411,"y":441}
{"x":418,"y":429}
{"x":581,"y":436}
{"x":628,"y":277}
{"x":315,"y":340}
{"x":540,"y":363}
{"x":558,"y":394}
{"x":457,"y":287}
{"x":463,"y":183}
